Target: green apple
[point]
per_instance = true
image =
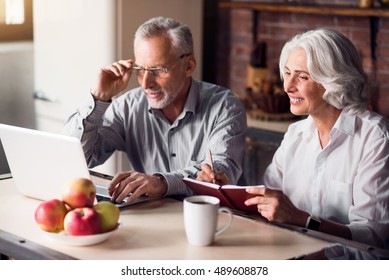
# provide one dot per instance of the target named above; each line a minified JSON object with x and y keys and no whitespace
{"x":109,"y":215}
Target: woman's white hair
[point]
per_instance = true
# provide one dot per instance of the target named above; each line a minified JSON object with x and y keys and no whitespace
{"x":334,"y":62}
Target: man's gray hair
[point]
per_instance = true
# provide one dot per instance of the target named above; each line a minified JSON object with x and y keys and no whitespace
{"x":178,"y":33}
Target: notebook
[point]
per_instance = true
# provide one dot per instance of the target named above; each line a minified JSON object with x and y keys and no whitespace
{"x":42,"y":162}
{"x":231,"y":196}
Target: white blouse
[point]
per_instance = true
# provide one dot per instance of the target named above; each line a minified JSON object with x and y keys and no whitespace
{"x":347,"y":181}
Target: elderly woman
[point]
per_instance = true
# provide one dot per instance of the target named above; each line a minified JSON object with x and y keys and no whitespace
{"x":331,"y":172}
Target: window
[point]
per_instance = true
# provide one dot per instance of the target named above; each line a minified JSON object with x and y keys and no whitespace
{"x":15,"y":20}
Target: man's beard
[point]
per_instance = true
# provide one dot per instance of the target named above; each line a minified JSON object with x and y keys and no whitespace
{"x":161,"y":103}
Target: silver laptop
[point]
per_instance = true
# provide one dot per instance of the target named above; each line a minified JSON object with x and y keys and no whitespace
{"x":41,"y":163}
{"x":5,"y":173}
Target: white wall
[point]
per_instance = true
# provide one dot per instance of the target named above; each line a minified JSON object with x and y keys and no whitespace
{"x":17,"y":84}
{"x":16,"y":89}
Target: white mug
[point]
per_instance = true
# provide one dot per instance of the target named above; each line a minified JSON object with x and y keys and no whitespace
{"x":201,"y":214}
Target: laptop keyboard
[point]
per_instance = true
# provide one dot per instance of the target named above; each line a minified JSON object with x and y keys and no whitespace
{"x":102,"y":198}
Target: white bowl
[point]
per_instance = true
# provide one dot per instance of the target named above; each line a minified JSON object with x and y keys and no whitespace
{"x":81,"y":240}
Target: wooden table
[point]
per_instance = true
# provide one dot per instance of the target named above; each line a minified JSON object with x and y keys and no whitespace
{"x":150,"y":230}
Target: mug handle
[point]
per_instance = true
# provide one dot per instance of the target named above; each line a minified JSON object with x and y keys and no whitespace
{"x":229,"y":212}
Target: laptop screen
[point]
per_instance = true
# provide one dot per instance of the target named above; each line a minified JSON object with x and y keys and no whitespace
{"x":4,"y":168}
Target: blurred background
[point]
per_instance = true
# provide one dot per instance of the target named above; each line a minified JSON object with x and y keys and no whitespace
{"x":50,"y":51}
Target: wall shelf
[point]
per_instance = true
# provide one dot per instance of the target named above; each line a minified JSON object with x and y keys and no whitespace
{"x":336,"y":10}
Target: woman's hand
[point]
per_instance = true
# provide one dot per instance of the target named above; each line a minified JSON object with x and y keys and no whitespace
{"x":274,"y":205}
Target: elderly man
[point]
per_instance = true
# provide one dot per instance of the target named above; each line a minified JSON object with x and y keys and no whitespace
{"x":167,"y":125}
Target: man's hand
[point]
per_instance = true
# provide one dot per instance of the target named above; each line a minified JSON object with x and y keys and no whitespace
{"x":208,"y":175}
{"x":112,"y":79}
{"x":135,"y":184}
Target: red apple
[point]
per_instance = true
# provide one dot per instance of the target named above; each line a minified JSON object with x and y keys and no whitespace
{"x":50,"y":214}
{"x":78,"y":193}
{"x":109,"y":215}
{"x":82,"y":221}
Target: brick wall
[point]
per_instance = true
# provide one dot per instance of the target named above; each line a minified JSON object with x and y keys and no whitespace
{"x":235,"y":41}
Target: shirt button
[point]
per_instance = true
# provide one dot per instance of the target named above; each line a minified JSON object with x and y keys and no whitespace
{"x":173,"y":154}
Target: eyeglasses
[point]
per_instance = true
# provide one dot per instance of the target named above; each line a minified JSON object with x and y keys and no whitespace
{"x":157,"y":72}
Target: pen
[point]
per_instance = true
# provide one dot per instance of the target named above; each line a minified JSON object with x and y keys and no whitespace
{"x":210,"y":159}
{"x":211,"y":164}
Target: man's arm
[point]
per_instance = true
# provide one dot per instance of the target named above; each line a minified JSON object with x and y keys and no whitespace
{"x":86,"y":121}
{"x":225,"y":140}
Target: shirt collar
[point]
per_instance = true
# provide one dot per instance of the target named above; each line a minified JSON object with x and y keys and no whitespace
{"x":193,"y":97}
{"x":345,"y":123}
{"x":308,"y":129}
{"x":191,"y":100}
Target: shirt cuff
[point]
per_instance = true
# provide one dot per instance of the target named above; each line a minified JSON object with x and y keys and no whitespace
{"x":363,"y":234}
{"x":94,"y":109}
{"x":175,"y":186}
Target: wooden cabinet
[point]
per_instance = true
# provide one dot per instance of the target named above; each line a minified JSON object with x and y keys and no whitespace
{"x":339,"y":10}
